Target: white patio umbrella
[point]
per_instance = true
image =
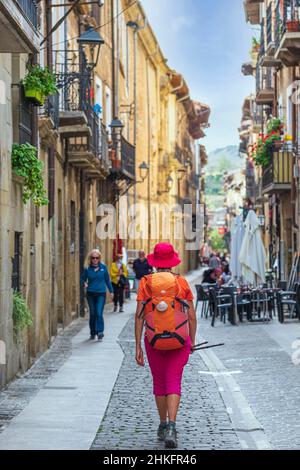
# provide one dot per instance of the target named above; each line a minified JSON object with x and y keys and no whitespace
{"x":252,"y":255}
{"x":237,"y":235}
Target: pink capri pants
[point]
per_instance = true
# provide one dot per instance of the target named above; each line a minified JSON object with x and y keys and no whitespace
{"x":167,"y":368}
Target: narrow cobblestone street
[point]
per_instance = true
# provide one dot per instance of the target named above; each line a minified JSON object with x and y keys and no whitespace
{"x":81,"y":395}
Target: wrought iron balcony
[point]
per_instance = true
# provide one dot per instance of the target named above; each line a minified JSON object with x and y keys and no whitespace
{"x":75,"y":86}
{"x":124,"y":168}
{"x":29,"y":9}
{"x":287,"y":32}
{"x":265,"y":92}
{"x":18,"y":26}
{"x":277,"y":176}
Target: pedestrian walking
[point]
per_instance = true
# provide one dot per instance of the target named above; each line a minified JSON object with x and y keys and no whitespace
{"x":214,"y":261}
{"x":165,"y":307}
{"x":96,"y":280}
{"x":118,"y":274}
{"x":141,"y":268}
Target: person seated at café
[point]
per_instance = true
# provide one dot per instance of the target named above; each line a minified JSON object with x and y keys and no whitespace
{"x":226,"y":274}
{"x":209,"y":277}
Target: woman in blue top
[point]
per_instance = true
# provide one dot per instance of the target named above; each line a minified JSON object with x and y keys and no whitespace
{"x":96,"y":279}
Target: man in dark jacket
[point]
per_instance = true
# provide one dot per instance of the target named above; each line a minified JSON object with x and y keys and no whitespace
{"x":141,"y":268}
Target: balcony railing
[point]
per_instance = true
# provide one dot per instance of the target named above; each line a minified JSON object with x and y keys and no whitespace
{"x":264,"y":85}
{"x":269,"y":25}
{"x":73,"y":80}
{"x":30,"y":10}
{"x":286,"y":20}
{"x":279,"y":173}
{"x":95,"y":143}
{"x":104,"y":145}
{"x":51,"y":109}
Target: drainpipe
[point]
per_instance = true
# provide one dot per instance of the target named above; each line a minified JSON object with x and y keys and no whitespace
{"x":51,"y":159}
{"x":113,"y":69}
{"x":293,"y":188}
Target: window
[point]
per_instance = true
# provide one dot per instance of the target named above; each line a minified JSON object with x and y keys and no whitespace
{"x":16,"y":263}
{"x":108,"y":109}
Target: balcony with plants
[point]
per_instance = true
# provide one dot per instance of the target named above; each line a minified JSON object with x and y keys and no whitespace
{"x":287,"y":32}
{"x":273,"y":153}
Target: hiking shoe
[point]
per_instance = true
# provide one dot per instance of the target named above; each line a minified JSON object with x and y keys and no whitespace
{"x":171,"y":437}
{"x":161,"y":432}
{"x":100,"y":336}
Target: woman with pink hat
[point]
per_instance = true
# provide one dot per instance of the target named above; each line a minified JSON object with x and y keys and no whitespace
{"x":165,"y":307}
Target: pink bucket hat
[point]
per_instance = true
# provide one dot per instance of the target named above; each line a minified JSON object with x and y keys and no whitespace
{"x":164,"y":256}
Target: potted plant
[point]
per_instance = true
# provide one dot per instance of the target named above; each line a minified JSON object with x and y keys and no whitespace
{"x":255,"y":45}
{"x":292,"y":26}
{"x":25,"y":163}
{"x":39,"y":83}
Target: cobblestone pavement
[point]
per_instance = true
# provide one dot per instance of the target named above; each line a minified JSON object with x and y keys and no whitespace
{"x":15,"y":397}
{"x":131,"y":421}
{"x":269,"y":380}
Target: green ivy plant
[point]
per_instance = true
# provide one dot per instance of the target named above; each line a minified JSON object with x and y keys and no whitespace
{"x":25,"y":163}
{"x":22,"y":316}
{"x":41,"y":79}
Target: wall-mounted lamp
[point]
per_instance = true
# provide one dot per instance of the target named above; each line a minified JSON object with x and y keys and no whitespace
{"x":261,"y":219}
{"x":144,"y":171}
{"x":169,"y":182}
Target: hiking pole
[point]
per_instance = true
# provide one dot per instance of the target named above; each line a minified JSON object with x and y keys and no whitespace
{"x":199,"y":348}
{"x":200,"y":344}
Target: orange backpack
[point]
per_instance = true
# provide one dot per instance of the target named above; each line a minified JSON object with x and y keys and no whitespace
{"x":167,"y":324}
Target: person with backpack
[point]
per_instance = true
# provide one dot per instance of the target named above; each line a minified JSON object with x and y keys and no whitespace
{"x":96,"y":280}
{"x":119,"y":275}
{"x":165,"y":307}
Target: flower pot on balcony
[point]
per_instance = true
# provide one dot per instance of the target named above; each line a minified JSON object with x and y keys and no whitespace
{"x":35,"y":96}
{"x":292,"y":26}
{"x":116,"y":163}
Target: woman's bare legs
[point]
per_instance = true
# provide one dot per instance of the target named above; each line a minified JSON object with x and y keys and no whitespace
{"x":173,"y":402}
{"x":161,"y":403}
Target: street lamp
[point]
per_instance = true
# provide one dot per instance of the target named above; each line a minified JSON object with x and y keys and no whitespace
{"x":169,"y":182}
{"x":116,"y":126}
{"x":94,"y":41}
{"x":261,"y":219}
{"x":144,"y":171}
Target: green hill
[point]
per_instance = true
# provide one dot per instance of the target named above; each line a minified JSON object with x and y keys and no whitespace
{"x":223,"y":159}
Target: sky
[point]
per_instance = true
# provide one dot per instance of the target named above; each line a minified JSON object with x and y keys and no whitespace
{"x":207,"y":41}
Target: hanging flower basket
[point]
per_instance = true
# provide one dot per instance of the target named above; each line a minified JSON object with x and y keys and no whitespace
{"x":39,"y":83}
{"x":35,"y":96}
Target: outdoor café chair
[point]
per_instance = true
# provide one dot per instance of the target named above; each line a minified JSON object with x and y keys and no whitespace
{"x":260,"y":305}
{"x":222,"y":304}
{"x":287,"y":299}
{"x":244,"y":305}
{"x":202,"y":296}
